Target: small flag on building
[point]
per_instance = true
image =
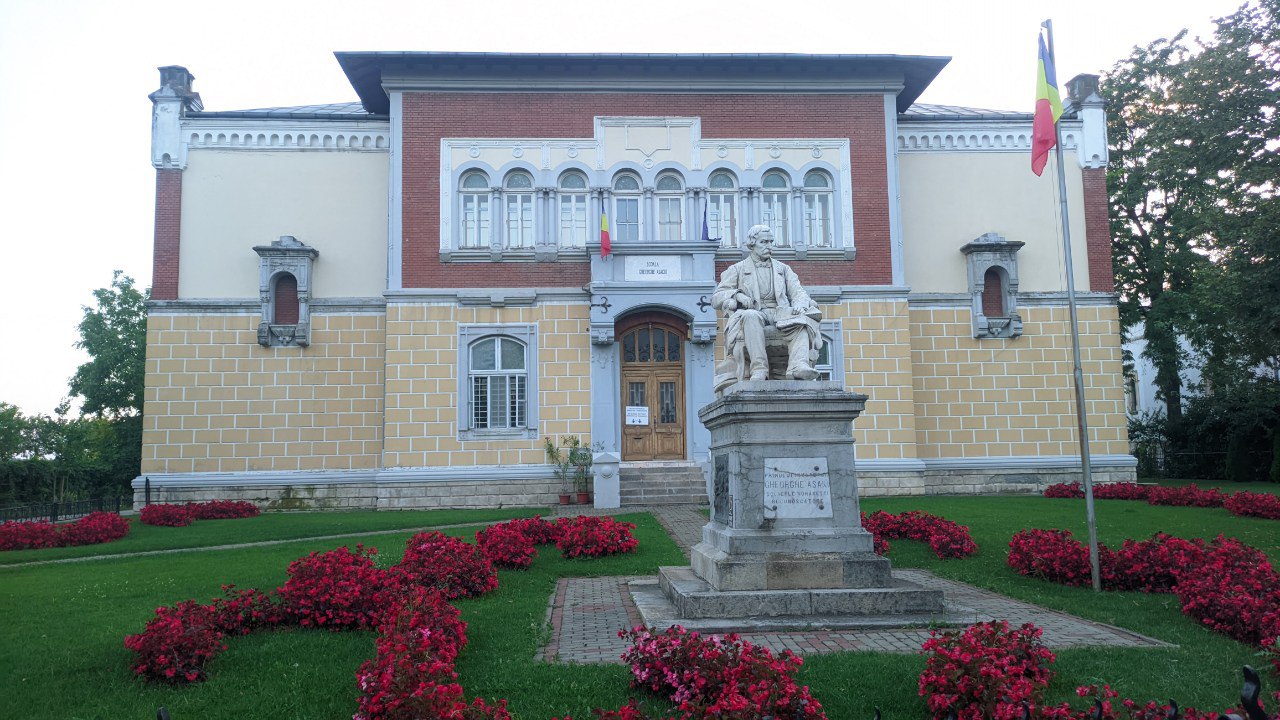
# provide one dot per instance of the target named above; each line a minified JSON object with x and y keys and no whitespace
{"x":1044,"y":129}
{"x":706,"y":230}
{"x":605,"y":246}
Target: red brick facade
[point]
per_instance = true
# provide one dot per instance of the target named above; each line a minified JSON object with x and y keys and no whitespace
{"x":428,"y":117}
{"x":168,"y":233}
{"x":1097,"y":228}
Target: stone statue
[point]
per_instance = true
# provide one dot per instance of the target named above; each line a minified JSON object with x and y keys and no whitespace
{"x":766,"y":309}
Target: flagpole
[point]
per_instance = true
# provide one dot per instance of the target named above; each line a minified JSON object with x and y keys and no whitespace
{"x":1082,"y":422}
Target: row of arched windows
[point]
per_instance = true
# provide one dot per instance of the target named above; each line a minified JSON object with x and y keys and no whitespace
{"x":505,"y":216}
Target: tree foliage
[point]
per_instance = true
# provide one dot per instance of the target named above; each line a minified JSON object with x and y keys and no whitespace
{"x":114,"y":333}
{"x":1194,"y":220}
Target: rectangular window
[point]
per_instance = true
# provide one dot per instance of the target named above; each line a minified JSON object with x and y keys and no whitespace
{"x":775,"y":216}
{"x":519,"y":221}
{"x":722,"y":219}
{"x":669,"y":219}
{"x":498,"y":402}
{"x":475,"y":221}
{"x":573,"y":221}
{"x":817,"y":220}
{"x":627,"y":212}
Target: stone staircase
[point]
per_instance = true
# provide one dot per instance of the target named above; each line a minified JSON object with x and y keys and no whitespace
{"x":661,"y":484}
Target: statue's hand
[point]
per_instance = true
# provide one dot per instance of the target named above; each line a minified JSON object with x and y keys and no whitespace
{"x":742,"y":300}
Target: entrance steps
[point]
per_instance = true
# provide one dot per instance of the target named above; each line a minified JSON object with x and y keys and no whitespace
{"x":652,"y":483}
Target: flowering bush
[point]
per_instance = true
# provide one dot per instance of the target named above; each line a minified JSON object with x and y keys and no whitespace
{"x":222,"y":510}
{"x":177,"y":643}
{"x":710,"y":676}
{"x":1065,"y":490}
{"x":1121,"y":491}
{"x":1052,"y":555}
{"x":336,"y":589}
{"x":166,"y":515}
{"x":451,"y":565}
{"x":946,"y":538}
{"x":1189,"y":496}
{"x":1233,"y":592}
{"x":506,"y":546}
{"x":586,"y":536}
{"x":94,"y":528}
{"x":985,"y":672}
{"x":240,"y":612}
{"x":540,"y":531}
{"x":1251,"y":504}
{"x":1153,"y":565}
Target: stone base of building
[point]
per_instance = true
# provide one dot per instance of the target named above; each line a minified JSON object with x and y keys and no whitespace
{"x":536,"y":486}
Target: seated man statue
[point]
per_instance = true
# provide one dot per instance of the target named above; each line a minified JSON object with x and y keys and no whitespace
{"x":760,"y":295}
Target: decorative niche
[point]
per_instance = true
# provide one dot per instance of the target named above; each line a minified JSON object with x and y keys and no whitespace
{"x":284,"y":287}
{"x":993,"y":286}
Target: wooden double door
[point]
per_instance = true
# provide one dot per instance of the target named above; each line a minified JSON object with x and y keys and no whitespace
{"x":653,"y":408}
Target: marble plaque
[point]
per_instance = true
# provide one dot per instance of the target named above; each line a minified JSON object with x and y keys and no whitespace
{"x":797,"y":487}
{"x":659,"y":268}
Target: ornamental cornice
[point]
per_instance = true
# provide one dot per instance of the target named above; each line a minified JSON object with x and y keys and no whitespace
{"x":309,"y":135}
{"x":992,"y":136}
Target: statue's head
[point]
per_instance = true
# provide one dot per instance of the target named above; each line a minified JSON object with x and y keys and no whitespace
{"x":760,"y":241}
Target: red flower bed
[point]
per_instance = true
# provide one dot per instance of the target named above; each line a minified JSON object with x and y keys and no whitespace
{"x":1065,"y":490}
{"x":506,"y":546}
{"x":336,"y":589}
{"x":92,"y":529}
{"x":589,"y":536}
{"x":946,"y":538}
{"x":1251,"y":504}
{"x":1121,"y":491}
{"x":453,"y":566}
{"x":222,"y":510}
{"x":540,"y":531}
{"x":714,"y":677}
{"x":177,"y":643}
{"x":985,"y":672}
{"x":166,"y":515}
{"x":1153,"y":565}
{"x":1188,"y":496}
{"x":1235,"y":591}
{"x":1052,"y":555}
{"x":240,"y":612}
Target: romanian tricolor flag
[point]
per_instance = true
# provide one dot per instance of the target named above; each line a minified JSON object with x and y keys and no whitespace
{"x":1044,"y":130}
{"x":605,"y":246}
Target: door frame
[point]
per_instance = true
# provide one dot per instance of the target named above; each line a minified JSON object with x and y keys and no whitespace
{"x":672,"y":323}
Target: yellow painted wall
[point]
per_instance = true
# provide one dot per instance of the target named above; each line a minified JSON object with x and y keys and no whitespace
{"x":234,"y":200}
{"x":216,"y":401}
{"x":952,"y":198}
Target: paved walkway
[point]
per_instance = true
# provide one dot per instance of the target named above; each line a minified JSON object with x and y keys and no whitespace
{"x":586,"y":614}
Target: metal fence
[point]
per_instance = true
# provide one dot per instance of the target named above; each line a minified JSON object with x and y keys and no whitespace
{"x":69,"y":510}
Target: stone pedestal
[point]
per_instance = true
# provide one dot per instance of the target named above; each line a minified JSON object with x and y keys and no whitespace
{"x":785,"y":537}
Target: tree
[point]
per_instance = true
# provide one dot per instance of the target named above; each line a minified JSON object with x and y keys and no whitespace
{"x":115,"y":335}
{"x":1193,"y":214}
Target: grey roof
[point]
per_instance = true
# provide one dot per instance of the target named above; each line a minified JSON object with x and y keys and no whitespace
{"x":925,"y":112}
{"x":330,"y":111}
{"x":629,"y":72}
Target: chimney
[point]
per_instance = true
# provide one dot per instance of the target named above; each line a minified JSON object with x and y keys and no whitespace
{"x":169,"y":105}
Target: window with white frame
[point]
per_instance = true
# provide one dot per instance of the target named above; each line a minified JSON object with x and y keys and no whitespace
{"x":830,"y":361}
{"x":777,"y":198}
{"x":518,"y":198}
{"x":626,"y":208}
{"x":670,"y":193}
{"x":573,"y":210}
{"x":722,"y":206}
{"x":474,"y":197}
{"x":819,"y":230}
{"x":497,"y":381}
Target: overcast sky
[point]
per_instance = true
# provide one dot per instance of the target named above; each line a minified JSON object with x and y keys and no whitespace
{"x":77,"y":188}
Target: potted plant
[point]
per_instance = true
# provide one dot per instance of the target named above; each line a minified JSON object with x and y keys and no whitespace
{"x":579,"y":457}
{"x":564,"y":467}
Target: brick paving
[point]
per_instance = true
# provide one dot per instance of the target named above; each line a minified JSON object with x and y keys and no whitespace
{"x":586,"y":614}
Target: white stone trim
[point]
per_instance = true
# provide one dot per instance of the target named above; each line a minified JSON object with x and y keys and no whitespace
{"x":309,"y":135}
{"x":210,"y":306}
{"x":491,"y":297}
{"x":262,"y":478}
{"x":474,"y":473}
{"x":894,"y":189}
{"x":395,"y":238}
{"x":969,"y":136}
{"x":895,"y":465}
{"x":1031,"y":299}
{"x":1028,"y":462}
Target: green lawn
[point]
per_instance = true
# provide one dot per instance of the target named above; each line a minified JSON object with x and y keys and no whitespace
{"x":63,"y":653}
{"x":270,"y":526}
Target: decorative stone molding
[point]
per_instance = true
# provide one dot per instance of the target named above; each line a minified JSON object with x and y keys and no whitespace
{"x":991,"y":251}
{"x":169,"y":106}
{"x":309,"y":135}
{"x":968,"y":136}
{"x":285,"y":255}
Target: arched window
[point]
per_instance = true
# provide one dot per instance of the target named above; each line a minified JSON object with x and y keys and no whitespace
{"x":474,"y":195}
{"x":573,"y":210}
{"x":993,"y":294}
{"x":670,"y":190}
{"x":722,"y":205}
{"x":777,"y":197}
{"x":819,"y":228}
{"x":626,"y":208}
{"x":518,"y":198}
{"x":499,"y":382}
{"x":284,"y":300}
